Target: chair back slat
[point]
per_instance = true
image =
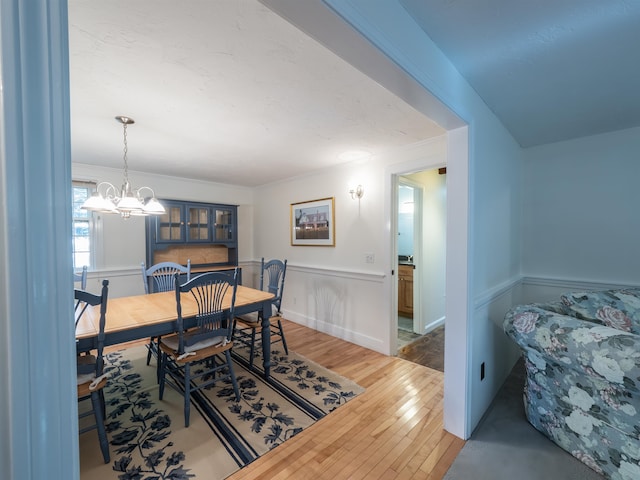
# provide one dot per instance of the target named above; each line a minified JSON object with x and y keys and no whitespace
{"x":275,"y":272}
{"x":209,"y":291}
{"x":161,"y":276}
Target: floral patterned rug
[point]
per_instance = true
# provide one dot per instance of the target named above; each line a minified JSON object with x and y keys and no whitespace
{"x":147,"y":437}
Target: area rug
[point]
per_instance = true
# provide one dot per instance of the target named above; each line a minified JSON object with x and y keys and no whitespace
{"x":147,"y":437}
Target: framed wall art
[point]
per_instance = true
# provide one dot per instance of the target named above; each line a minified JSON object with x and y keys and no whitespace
{"x":313,"y":223}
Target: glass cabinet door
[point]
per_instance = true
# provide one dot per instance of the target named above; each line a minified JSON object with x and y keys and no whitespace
{"x":223,"y":226}
{"x":169,"y":225}
{"x":198,"y":224}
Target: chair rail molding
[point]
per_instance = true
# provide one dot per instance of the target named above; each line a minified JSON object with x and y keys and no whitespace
{"x":572,"y":284}
{"x":497,"y":291}
{"x":376,"y":277}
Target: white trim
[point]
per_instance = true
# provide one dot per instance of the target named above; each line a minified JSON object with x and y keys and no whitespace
{"x":508,"y":287}
{"x":118,"y":272}
{"x":457,"y":350}
{"x":377,"y":277}
{"x":571,"y":284}
{"x":418,"y":195}
{"x":496,"y":292}
{"x":433,"y":325}
{"x":39,"y":411}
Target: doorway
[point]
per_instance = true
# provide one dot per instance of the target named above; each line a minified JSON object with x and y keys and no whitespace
{"x":421,"y":256}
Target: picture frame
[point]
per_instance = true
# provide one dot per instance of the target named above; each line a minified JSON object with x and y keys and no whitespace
{"x":313,"y":223}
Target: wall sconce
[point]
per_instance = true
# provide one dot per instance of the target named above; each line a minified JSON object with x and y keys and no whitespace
{"x":357,"y":193}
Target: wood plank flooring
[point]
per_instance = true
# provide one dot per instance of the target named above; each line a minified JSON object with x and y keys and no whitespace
{"x":391,"y":431}
{"x":427,"y":350}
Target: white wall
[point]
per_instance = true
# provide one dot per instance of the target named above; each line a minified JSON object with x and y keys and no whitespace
{"x":581,"y":216}
{"x":333,"y":289}
{"x":494,"y":200}
{"x":493,"y":227}
{"x":123,"y":241}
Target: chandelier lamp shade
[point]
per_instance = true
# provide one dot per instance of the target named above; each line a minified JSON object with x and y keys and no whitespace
{"x":127,"y":201}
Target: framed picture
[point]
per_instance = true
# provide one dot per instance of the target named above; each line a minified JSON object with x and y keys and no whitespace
{"x":313,"y":223}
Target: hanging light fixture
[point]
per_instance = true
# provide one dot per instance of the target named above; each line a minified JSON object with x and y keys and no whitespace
{"x":126,"y":201}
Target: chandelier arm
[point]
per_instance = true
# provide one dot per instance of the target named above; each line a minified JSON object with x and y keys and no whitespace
{"x":153,"y":194}
{"x":111,"y":192}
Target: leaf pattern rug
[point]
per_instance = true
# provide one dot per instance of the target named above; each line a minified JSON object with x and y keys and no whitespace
{"x":147,"y":437}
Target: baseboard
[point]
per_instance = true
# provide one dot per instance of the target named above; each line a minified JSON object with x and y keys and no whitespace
{"x":433,"y":325}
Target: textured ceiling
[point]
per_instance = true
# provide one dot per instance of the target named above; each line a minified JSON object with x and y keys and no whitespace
{"x":550,"y":70}
{"x":228,"y":91}
{"x":222,"y":90}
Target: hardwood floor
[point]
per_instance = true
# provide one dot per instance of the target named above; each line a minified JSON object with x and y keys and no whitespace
{"x":391,"y":431}
{"x":427,"y":350}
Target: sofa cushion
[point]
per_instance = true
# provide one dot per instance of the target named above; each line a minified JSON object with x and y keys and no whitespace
{"x":619,"y":309}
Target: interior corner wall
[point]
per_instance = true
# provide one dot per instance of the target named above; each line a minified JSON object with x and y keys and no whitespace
{"x":580,"y":210}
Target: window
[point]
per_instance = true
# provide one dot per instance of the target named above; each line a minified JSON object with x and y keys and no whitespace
{"x":82,"y":226}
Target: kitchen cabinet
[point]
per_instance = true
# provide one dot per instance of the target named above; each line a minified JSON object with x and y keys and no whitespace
{"x":204,"y":233}
{"x":405,"y":290}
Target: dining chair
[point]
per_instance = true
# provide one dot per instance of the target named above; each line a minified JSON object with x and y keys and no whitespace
{"x":246,"y":325}
{"x":207,"y":345}
{"x":81,"y":277}
{"x":90,"y":369}
{"x":161,"y":278}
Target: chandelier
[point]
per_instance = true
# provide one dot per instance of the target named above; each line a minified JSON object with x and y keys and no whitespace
{"x":127,"y":201}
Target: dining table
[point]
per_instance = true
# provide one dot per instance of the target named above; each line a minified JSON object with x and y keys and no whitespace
{"x":151,"y":315}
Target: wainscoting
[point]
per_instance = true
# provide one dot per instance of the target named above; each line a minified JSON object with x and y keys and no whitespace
{"x":489,"y":348}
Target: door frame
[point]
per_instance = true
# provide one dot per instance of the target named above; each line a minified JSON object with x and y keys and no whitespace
{"x":418,"y":190}
{"x":457,"y":306}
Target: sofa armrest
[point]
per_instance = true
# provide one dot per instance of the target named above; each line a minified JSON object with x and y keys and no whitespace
{"x":593,"y":349}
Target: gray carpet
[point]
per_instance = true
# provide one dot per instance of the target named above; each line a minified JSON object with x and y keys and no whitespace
{"x":505,"y":446}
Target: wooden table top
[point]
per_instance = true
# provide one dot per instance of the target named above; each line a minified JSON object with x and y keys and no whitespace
{"x":125,"y":313}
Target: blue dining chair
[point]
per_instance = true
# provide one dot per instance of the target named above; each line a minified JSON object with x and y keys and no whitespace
{"x":81,"y":278}
{"x":90,"y":369}
{"x":246,"y":325}
{"x":161,"y":278}
{"x":208,"y":344}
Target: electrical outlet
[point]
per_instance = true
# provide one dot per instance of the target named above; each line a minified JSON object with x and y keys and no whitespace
{"x":369,"y":258}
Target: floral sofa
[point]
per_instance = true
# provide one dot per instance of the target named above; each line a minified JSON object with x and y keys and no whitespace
{"x":582,"y":358}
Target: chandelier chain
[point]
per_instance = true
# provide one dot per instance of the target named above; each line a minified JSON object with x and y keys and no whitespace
{"x":125,"y":149}
{"x":127,"y":201}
